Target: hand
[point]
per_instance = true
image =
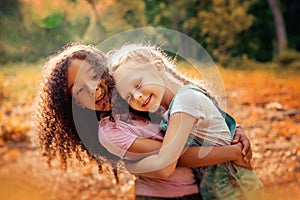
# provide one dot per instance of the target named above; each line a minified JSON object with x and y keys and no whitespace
{"x":240,"y":160}
{"x":240,"y":136}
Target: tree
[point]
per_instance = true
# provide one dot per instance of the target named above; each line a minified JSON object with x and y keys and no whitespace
{"x":279,"y":27}
{"x":124,"y":15}
{"x":221,"y":25}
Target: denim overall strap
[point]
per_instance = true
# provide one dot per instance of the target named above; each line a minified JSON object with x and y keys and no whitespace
{"x":230,"y":121}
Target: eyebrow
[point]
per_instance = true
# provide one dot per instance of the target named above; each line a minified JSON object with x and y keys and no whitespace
{"x":91,"y":67}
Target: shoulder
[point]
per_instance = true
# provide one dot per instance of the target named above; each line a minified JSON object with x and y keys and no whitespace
{"x":191,"y":100}
{"x":116,"y":136}
{"x":190,"y":95}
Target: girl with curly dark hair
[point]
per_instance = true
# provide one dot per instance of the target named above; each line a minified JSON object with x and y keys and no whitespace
{"x":75,"y":82}
{"x":57,"y":133}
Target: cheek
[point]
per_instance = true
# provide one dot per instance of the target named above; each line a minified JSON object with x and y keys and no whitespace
{"x":133,"y":105}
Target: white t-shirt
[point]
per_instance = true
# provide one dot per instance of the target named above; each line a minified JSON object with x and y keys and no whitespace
{"x":210,"y":127}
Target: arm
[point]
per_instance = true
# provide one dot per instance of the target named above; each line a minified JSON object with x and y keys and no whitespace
{"x":210,"y":155}
{"x":164,"y":163}
{"x":206,"y":155}
{"x":220,"y":154}
{"x":143,"y":147}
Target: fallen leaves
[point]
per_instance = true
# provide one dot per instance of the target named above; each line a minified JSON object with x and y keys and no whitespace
{"x":264,"y":103}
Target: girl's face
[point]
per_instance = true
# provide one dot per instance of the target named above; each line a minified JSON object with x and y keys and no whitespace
{"x":141,"y":85}
{"x":87,"y":87}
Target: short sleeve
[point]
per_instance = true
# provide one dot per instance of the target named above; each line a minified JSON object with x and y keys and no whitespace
{"x":115,"y":138}
{"x":190,"y":101}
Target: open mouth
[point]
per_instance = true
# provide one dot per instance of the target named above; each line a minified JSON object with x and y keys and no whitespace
{"x":100,"y":101}
{"x":147,"y":101}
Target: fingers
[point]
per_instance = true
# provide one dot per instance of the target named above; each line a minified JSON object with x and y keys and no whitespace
{"x":237,"y":136}
{"x":245,"y":165}
{"x":246,"y":147}
{"x":245,"y":141}
{"x":236,"y":139}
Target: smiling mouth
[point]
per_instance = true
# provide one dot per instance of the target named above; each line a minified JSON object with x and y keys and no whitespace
{"x":147,"y":101}
{"x":101,"y":97}
{"x":100,"y":101}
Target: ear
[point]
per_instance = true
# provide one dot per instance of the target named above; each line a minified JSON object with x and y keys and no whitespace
{"x":160,"y":66}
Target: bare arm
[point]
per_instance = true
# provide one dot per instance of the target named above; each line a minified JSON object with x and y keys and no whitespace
{"x":143,"y":147}
{"x":206,"y":155}
{"x":164,"y":163}
{"x":210,"y":155}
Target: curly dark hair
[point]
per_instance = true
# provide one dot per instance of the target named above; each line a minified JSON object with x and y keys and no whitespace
{"x":56,"y":115}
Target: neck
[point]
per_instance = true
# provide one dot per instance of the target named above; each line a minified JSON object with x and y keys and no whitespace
{"x":172,"y":86}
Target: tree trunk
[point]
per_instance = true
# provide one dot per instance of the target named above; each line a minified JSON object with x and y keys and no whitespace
{"x":279,"y":25}
{"x":97,"y":17}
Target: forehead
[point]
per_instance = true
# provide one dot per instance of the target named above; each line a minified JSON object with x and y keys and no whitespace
{"x":78,"y":66}
{"x":128,"y":69}
{"x":77,"y":70}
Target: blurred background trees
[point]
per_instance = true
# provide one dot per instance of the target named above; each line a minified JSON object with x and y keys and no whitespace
{"x":232,"y":31}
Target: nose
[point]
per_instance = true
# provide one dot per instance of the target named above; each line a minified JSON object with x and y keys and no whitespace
{"x":137,"y":95}
{"x":91,"y":87}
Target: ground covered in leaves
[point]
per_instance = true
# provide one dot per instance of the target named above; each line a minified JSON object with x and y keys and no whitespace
{"x":266,"y":104}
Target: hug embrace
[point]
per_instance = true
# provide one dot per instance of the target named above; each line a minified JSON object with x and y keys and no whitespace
{"x":167,"y":129}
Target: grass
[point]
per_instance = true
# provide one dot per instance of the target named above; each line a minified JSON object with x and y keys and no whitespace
{"x":18,"y":82}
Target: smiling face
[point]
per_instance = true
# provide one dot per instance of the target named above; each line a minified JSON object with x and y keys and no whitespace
{"x":141,"y":85}
{"x":87,"y":86}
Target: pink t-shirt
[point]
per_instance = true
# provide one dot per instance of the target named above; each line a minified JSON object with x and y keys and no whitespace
{"x":118,"y":136}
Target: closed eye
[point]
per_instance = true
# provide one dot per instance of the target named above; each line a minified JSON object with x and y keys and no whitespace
{"x":95,"y":74}
{"x":128,"y":98}
{"x":80,"y":90}
{"x":138,"y":85}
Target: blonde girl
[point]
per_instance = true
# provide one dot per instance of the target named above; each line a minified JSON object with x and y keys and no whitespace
{"x":146,"y":78}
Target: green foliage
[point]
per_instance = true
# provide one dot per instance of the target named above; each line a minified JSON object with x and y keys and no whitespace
{"x":50,"y":21}
{"x":18,"y":82}
{"x":245,"y":63}
{"x":291,"y":13}
{"x":221,"y":25}
{"x":290,"y":59}
{"x":123,"y":16}
{"x":228,"y":29}
{"x":258,"y":41}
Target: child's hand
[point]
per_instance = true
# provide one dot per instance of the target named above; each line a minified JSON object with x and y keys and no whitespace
{"x":240,"y":158}
{"x":240,"y":136}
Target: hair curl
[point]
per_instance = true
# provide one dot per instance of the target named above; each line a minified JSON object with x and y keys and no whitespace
{"x":54,"y":117}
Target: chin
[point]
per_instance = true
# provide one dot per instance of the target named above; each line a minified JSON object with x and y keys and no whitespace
{"x":154,"y":108}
